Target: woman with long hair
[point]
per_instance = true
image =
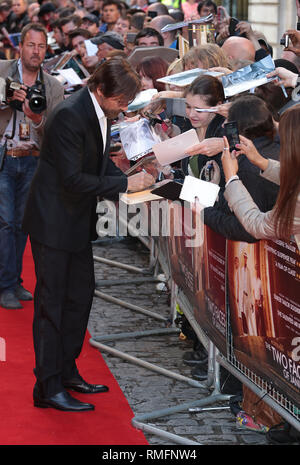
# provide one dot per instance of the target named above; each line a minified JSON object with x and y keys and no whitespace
{"x":204,"y":94}
{"x":283,"y":220}
{"x":150,"y":69}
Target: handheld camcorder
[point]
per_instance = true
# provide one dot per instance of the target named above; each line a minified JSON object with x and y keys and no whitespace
{"x":35,"y":94}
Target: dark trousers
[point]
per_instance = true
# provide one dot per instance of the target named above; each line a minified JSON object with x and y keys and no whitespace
{"x":15,"y":178}
{"x":62,"y":302}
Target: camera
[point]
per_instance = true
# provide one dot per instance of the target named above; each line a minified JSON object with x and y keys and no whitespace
{"x":285,"y":41}
{"x":35,"y":94}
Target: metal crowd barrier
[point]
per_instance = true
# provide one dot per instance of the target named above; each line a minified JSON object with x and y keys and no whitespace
{"x":280,"y":403}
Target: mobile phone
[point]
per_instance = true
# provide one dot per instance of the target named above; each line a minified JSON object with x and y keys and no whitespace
{"x":232,"y":25}
{"x":285,"y":41}
{"x":152,"y":14}
{"x":232,"y":134}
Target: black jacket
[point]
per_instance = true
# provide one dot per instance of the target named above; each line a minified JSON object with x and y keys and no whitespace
{"x":72,"y":172}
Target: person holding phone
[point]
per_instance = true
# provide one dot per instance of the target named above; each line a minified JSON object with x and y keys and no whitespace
{"x":283,"y":220}
{"x":254,"y":120}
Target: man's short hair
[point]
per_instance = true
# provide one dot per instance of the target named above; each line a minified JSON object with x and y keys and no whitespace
{"x":33,"y":27}
{"x":112,"y":2}
{"x":149,"y":32}
{"x":115,"y":77}
{"x":80,"y":32}
{"x":71,"y":18}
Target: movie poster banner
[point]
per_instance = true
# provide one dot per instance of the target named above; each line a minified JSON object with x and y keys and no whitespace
{"x":198,"y":268}
{"x":264,"y":306}
{"x":210,"y":311}
{"x":182,"y":241}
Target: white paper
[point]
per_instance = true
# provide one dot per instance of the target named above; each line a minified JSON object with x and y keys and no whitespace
{"x":185,"y":78}
{"x":181,"y":24}
{"x":173,"y":149}
{"x":91,"y":48}
{"x":70,"y":75}
{"x":205,"y":191}
{"x":137,"y":138}
{"x":142,"y":99}
{"x":249,"y":77}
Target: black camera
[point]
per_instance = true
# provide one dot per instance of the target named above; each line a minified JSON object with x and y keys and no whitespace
{"x":35,"y":94}
{"x":285,"y":41}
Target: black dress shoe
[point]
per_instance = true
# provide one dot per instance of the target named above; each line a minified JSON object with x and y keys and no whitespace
{"x":200,"y":372}
{"x":195,"y":358}
{"x":62,"y":401}
{"x":78,"y":384}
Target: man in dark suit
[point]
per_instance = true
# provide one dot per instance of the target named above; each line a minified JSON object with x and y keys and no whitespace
{"x":60,"y":218}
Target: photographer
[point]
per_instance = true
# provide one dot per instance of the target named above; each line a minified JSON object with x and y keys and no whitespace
{"x":31,"y":96}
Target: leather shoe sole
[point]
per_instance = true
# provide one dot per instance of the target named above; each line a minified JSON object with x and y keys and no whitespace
{"x":62,"y":401}
{"x":84,"y":387}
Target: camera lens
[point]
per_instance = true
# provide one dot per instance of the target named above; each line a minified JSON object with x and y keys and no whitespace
{"x":37,"y":99}
{"x":36,"y":103}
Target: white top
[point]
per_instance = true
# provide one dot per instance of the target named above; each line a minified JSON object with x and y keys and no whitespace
{"x":101,"y":117}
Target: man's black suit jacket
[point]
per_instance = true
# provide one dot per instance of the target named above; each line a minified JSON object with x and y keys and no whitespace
{"x":72,"y":172}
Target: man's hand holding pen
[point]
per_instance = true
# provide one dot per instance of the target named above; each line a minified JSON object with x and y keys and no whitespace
{"x":139,"y":181}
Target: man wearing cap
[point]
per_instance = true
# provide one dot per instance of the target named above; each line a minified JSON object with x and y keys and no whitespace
{"x":106,"y":43}
{"x":91,"y":23}
{"x":47,"y":14}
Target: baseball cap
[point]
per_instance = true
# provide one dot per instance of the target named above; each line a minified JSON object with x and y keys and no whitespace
{"x":111,"y":38}
{"x":46,"y":8}
{"x":91,"y":18}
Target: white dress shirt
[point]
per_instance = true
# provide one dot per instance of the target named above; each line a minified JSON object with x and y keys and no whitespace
{"x":101,"y":117}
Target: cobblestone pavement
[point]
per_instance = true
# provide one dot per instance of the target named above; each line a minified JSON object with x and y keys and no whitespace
{"x":147,"y":391}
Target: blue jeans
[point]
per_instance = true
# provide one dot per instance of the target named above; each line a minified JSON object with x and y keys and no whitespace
{"x":15,"y":179}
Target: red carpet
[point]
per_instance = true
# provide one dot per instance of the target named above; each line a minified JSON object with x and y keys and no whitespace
{"x":23,"y":424}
